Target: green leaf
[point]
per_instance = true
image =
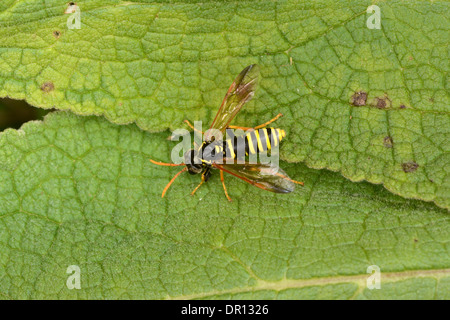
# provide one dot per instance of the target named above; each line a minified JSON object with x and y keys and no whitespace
{"x":81,"y":191}
{"x":157,"y":64}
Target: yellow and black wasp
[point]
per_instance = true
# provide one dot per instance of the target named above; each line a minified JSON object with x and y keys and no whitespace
{"x":201,"y":159}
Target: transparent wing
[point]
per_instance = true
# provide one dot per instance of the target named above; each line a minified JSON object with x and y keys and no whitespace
{"x":241,"y":90}
{"x":264,"y":176}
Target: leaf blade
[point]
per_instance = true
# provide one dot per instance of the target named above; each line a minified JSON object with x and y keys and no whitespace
{"x":96,"y":204}
{"x":175,"y":62}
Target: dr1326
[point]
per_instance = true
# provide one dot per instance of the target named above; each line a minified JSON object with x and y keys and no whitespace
{"x":246,"y":309}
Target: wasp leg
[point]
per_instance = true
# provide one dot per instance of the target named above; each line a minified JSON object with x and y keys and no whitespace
{"x":192,"y":127}
{"x":171,"y":181}
{"x":289,"y":179}
{"x":192,"y":193}
{"x":257,"y":127}
{"x":224,"y":188}
{"x":268,"y":122}
{"x":205,"y":176}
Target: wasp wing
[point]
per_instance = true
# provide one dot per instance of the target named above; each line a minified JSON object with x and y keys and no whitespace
{"x":265,"y":176}
{"x":241,"y":90}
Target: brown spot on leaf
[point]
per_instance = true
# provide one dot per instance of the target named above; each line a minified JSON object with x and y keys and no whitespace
{"x":402,"y":106}
{"x":410,"y":166}
{"x":381,"y":103}
{"x":359,"y":98}
{"x":56,"y":34}
{"x":387,"y":141}
{"x":48,"y":86}
{"x":416,"y":240}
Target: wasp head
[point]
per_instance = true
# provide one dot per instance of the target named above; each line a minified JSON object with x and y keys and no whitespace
{"x":193,"y":161}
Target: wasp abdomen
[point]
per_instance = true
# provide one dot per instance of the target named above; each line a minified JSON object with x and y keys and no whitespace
{"x":253,"y":142}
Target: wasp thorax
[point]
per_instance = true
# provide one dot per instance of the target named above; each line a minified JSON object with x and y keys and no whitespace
{"x":193,"y":162}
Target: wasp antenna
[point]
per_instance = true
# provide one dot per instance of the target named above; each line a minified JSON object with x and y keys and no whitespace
{"x":171,"y":181}
{"x":166,"y":164}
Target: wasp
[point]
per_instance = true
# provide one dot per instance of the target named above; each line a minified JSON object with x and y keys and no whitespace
{"x":200,"y":160}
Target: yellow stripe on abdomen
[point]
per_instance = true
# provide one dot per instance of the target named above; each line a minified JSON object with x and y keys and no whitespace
{"x":258,"y":139}
{"x":275,"y":136}
{"x":231,"y":148}
{"x":251,"y":148}
{"x":266,"y":135}
{"x":279,"y":134}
